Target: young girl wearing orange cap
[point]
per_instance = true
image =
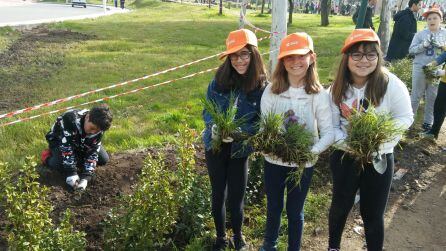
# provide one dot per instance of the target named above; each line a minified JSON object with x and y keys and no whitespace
{"x":362,"y":80}
{"x":243,"y":76}
{"x":295,"y":92}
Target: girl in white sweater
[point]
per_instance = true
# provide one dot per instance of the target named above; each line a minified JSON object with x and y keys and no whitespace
{"x":361,"y":80}
{"x":295,"y":91}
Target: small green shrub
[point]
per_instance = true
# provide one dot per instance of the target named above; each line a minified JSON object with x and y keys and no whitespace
{"x":316,"y":207}
{"x":28,"y":209}
{"x":195,"y":212}
{"x":403,"y":70}
{"x":143,"y":219}
{"x":149,"y":218}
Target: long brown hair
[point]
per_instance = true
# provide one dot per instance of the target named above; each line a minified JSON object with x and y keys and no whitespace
{"x":282,"y":84}
{"x":377,"y":80}
{"x":228,"y":78}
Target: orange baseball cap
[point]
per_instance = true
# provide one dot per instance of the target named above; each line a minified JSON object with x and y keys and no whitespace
{"x":237,"y":40}
{"x":360,"y":35}
{"x":299,"y":43}
{"x":433,"y":10}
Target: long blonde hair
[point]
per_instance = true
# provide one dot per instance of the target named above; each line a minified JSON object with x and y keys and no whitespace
{"x":282,"y":84}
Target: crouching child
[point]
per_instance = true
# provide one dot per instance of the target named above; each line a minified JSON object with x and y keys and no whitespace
{"x":75,"y":144}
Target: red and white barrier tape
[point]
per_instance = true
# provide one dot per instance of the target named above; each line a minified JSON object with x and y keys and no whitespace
{"x":62,"y":100}
{"x":107,"y":98}
{"x":36,"y":107}
{"x":112,"y":96}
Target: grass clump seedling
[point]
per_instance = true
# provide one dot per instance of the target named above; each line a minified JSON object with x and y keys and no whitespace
{"x":226,"y":122}
{"x":284,"y":138}
{"x":429,"y":71}
{"x":367,"y":131}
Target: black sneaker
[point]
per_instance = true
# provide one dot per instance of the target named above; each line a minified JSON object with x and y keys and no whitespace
{"x":220,"y":244}
{"x":426,"y":127}
{"x":238,"y":243}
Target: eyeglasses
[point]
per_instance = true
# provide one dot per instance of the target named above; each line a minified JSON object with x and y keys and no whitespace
{"x":370,"y":56}
{"x":244,"y":55}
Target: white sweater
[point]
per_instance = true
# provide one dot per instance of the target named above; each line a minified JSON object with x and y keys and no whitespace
{"x":396,"y":101}
{"x":311,"y":109}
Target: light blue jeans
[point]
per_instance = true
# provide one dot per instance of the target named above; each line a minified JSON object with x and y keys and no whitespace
{"x":420,"y":88}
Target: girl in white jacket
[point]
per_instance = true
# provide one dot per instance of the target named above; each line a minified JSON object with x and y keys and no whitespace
{"x":295,"y":91}
{"x":361,"y":80}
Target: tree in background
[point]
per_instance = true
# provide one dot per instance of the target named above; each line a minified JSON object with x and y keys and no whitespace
{"x":263,"y":6}
{"x":325,"y":11}
{"x":220,"y":8}
{"x":384,"y":26}
{"x":290,"y":11}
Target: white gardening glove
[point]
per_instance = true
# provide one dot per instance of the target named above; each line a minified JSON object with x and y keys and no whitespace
{"x":72,"y":181}
{"x":82,"y":184}
{"x":437,"y":44}
{"x":214,"y":132}
{"x":426,"y":43}
{"x":227,"y":139}
{"x":439,"y":73}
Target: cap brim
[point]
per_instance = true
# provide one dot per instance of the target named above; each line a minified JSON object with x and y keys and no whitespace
{"x":345,"y":48}
{"x":427,"y":13}
{"x":293,"y":52}
{"x":232,"y":50}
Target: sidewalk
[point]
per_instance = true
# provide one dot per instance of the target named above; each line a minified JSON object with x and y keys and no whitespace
{"x":23,"y":13}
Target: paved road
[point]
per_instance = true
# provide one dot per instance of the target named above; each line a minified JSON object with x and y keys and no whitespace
{"x":13,"y":13}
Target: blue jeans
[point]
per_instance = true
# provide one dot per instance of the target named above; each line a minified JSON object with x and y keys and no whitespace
{"x":275,"y":184}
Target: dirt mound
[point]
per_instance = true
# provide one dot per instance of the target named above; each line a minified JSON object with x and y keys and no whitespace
{"x":30,"y":61}
{"x":112,"y":181}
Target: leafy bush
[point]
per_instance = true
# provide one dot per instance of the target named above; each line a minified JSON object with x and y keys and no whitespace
{"x":143,"y":219}
{"x":195,"y":212}
{"x":403,"y":70}
{"x":28,"y":209}
{"x":147,"y":219}
{"x":316,"y":206}
{"x":65,"y":237}
{"x":195,"y":215}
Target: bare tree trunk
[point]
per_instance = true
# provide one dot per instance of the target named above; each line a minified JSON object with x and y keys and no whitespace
{"x":220,"y":9}
{"x":325,"y":11}
{"x":243,"y":5}
{"x":278,"y":29}
{"x":210,"y":4}
{"x":384,"y":26}
{"x":263,"y":6}
{"x":290,"y":11}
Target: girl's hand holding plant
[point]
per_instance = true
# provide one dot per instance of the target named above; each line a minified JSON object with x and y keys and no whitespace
{"x":216,"y":135}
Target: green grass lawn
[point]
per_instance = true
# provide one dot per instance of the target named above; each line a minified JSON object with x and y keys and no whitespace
{"x":153,"y":37}
{"x":123,"y":47}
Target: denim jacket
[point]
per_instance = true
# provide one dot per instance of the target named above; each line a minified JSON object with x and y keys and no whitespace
{"x":248,"y":106}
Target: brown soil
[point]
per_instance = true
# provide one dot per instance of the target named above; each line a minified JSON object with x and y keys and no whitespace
{"x":112,"y":181}
{"x":30,"y":61}
{"x":90,"y":208}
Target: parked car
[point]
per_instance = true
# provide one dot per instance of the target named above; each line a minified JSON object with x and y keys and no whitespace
{"x":79,"y":3}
